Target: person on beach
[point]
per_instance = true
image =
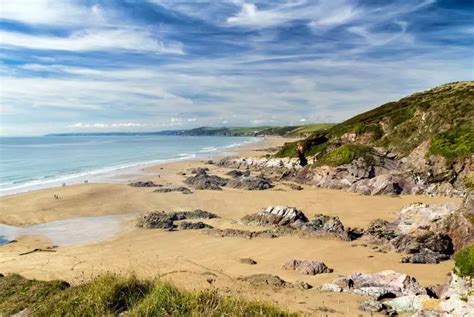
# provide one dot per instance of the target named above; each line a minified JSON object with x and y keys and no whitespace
{"x":301,"y":156}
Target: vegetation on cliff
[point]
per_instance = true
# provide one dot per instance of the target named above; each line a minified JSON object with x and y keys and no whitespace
{"x":442,"y":116}
{"x":113,"y":295}
{"x":464,"y":261}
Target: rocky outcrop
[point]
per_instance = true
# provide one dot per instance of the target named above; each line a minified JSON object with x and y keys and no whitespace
{"x":307,"y":267}
{"x":165,"y":220}
{"x":237,"y":173}
{"x":385,"y":284}
{"x":460,"y":224}
{"x":248,"y":261}
{"x":267,"y":280}
{"x":260,"y":164}
{"x":421,"y":231}
{"x":294,"y":219}
{"x":237,"y":233}
{"x":143,"y":184}
{"x":250,"y":183}
{"x":186,"y":225}
{"x":170,"y":189}
{"x":204,"y":181}
{"x":277,"y":216}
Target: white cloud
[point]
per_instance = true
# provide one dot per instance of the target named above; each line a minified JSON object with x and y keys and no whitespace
{"x":251,"y":16}
{"x":91,"y":40}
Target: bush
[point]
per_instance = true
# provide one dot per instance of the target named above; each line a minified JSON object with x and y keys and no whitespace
{"x":464,"y":261}
{"x":346,"y":154}
{"x":458,"y":142}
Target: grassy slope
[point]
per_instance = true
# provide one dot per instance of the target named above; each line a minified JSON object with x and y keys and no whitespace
{"x":111,"y":295}
{"x":443,"y":116}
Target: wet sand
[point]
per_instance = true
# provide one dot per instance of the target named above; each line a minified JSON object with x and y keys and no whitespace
{"x":190,"y":258}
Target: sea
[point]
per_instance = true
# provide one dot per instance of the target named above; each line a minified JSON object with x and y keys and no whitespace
{"x":30,"y":163}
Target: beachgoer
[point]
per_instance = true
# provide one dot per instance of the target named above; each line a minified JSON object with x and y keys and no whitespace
{"x":301,"y":157}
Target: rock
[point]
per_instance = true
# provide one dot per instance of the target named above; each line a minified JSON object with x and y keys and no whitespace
{"x":460,"y":225}
{"x":324,"y":223}
{"x":331,"y":287}
{"x":198,"y":170}
{"x":186,"y":225}
{"x":204,"y":181}
{"x":248,"y":261}
{"x":156,"y":220}
{"x":277,"y":216}
{"x":425,"y":256}
{"x":236,"y":233}
{"x":382,"y":229}
{"x":237,"y":173}
{"x":143,"y":184}
{"x":307,"y":267}
{"x":250,"y":183}
{"x":162,"y":220}
{"x":379,"y":285}
{"x":408,"y":304}
{"x":182,"y":189}
{"x":265,"y":280}
{"x":422,"y":216}
{"x":302,"y":285}
{"x":372,"y":306}
{"x":195,"y":214}
{"x":434,"y":242}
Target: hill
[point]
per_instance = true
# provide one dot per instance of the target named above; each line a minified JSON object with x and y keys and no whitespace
{"x":441,"y":117}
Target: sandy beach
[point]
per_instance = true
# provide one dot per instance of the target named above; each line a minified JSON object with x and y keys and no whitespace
{"x":188,"y":258}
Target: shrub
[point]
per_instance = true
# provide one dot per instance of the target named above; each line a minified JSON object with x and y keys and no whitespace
{"x":455,"y":143}
{"x":464,"y":261}
{"x":346,"y":154}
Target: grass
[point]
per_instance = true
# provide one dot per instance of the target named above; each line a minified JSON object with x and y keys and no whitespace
{"x":464,"y":261}
{"x":345,"y":154}
{"x":468,"y":181}
{"x":18,"y":293}
{"x":457,"y":142}
{"x":113,"y":295}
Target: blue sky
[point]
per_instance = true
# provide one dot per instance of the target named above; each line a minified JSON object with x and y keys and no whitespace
{"x":136,"y":65}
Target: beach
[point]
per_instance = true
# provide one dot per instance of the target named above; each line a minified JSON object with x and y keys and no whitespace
{"x":189,"y":258}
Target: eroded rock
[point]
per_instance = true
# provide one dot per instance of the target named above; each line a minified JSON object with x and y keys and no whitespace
{"x":143,"y":184}
{"x":250,"y":183}
{"x":204,"y":181}
{"x":277,"y":216}
{"x":170,"y":189}
{"x":307,"y":267}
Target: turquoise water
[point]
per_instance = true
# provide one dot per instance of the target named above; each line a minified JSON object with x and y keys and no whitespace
{"x":33,"y":162}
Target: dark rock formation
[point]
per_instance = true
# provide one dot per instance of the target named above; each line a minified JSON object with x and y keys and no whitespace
{"x":250,"y":183}
{"x":307,"y":267}
{"x":248,"y":261}
{"x":382,"y":229}
{"x":143,"y":184}
{"x":204,"y":181}
{"x":156,"y":220}
{"x":186,"y":225}
{"x":198,"y":170}
{"x":327,"y":224}
{"x":430,"y":242}
{"x":265,"y":280}
{"x":162,"y":220}
{"x":237,"y":173}
{"x":182,"y":189}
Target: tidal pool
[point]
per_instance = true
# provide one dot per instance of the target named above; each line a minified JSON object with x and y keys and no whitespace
{"x":68,"y":232}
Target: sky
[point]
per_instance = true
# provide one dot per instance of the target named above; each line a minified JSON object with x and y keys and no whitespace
{"x":149,"y":65}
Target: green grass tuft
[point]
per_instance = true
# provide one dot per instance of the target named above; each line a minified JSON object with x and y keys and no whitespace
{"x":346,"y":154}
{"x":464,"y":261}
{"x":113,"y":295}
{"x":455,"y":143}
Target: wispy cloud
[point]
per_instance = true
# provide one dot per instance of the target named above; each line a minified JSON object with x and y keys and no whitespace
{"x":147,"y":65}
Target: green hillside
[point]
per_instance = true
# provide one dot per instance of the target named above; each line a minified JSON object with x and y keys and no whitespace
{"x":442,"y":116}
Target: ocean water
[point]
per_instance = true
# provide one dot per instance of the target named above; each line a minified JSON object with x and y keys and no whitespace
{"x":28,"y":163}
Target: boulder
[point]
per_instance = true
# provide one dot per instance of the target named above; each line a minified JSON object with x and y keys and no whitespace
{"x":382,"y":230}
{"x":372,"y":306}
{"x":143,"y":184}
{"x":156,"y":220}
{"x":237,"y":173}
{"x":385,"y":284}
{"x":198,"y":170}
{"x":204,"y":181}
{"x":195,"y":214}
{"x":425,"y":256}
{"x":325,"y":224}
{"x":248,"y":261}
{"x":277,"y":216}
{"x":250,"y":183}
{"x":429,"y":241}
{"x":186,"y":225}
{"x":423,"y":217}
{"x":182,"y":189}
{"x":408,"y":304}
{"x":307,"y":267}
{"x":263,"y":279}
